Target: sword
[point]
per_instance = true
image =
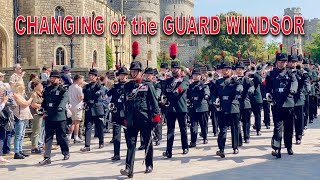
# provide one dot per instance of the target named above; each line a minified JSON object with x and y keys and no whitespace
{"x":149,"y":143}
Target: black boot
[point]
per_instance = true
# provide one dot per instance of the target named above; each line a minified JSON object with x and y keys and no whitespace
{"x":18,"y":156}
{"x":192,"y":145}
{"x":236,"y":151}
{"x":167,"y":154}
{"x":276,"y":153}
{"x":149,"y":169}
{"x":115,"y":158}
{"x":125,"y":172}
{"x":221,"y":153}
{"x":289,"y":150}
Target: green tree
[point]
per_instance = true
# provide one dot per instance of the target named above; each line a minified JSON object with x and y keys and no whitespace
{"x":271,"y":49}
{"x":109,"y":58}
{"x":313,"y":46}
{"x":231,"y":45}
{"x":164,"y":58}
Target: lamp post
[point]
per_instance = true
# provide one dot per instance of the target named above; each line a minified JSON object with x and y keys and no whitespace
{"x":117,"y":44}
{"x":71,"y":51}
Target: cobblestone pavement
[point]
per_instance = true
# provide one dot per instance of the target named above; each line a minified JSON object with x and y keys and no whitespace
{"x":253,"y":162}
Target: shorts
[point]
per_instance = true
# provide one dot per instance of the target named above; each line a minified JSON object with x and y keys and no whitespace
{"x":76,"y":114}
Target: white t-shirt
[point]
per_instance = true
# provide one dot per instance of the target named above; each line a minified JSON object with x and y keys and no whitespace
{"x":75,"y":91}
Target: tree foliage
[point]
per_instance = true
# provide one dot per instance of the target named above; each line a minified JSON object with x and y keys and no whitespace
{"x":250,"y":46}
{"x":313,"y":47}
{"x":109,"y":58}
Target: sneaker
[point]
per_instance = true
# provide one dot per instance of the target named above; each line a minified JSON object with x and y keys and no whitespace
{"x":18,"y":156}
{"x":23,"y":154}
{"x":45,"y":162}
{"x":85,"y":149}
{"x":36,"y":151}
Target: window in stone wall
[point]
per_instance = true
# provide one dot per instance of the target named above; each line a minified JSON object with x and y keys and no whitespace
{"x":60,"y":56}
{"x":94,"y":57}
{"x":59,"y":11}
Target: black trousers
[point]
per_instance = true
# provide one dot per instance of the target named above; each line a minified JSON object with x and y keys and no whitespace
{"x":283,"y":121}
{"x":132,"y":134}
{"x":313,"y":101}
{"x":214,"y":119}
{"x":231,"y":120}
{"x":172,"y":117}
{"x":298,"y":121}
{"x":246,"y":123}
{"x":158,"y":128}
{"x":266,"y":112}
{"x":117,"y":138}
{"x":98,"y":122}
{"x":306,"y":111}
{"x":60,"y":127}
{"x":256,"y":109}
{"x":197,"y":118}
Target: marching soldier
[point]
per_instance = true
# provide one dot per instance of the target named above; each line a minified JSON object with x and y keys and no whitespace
{"x":282,"y":85}
{"x":117,"y":109}
{"x":176,"y":92}
{"x":299,"y":97}
{"x":198,"y":95}
{"x":229,"y":90}
{"x":265,"y":103}
{"x":54,"y":105}
{"x":141,"y":115}
{"x":149,"y":77}
{"x":245,"y":105}
{"x":256,"y":100}
{"x":306,"y":108}
{"x":162,"y":77}
{"x":215,"y":113}
{"x":94,"y":94}
{"x":314,"y":90}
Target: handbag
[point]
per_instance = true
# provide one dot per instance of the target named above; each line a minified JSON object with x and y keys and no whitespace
{"x":3,"y":119}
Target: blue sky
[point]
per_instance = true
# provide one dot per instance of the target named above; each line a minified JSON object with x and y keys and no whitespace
{"x":310,"y":8}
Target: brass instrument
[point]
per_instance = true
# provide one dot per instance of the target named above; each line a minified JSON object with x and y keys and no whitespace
{"x":299,"y":66}
{"x":252,"y":69}
{"x":217,"y":104}
{"x":112,"y":107}
{"x":164,"y":101}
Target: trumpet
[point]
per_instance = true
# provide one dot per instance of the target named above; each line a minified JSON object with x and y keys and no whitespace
{"x":112,"y":107}
{"x":210,"y":74}
{"x":299,"y":66}
{"x":252,"y":69}
{"x":164,"y":101}
{"x":217,"y":104}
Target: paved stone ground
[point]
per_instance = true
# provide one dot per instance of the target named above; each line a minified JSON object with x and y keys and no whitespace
{"x":253,"y":162}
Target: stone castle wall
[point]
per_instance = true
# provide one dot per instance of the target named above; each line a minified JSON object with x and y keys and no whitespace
{"x":7,"y":33}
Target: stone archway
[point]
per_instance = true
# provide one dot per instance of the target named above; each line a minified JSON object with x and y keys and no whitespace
{"x":3,"y":49}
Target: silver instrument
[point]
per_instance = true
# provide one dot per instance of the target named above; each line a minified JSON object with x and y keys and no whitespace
{"x":164,"y":101}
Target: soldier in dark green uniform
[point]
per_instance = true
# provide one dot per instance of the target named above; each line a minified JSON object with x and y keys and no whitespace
{"x":55,"y":99}
{"x":229,"y":89}
{"x":282,"y":85}
{"x":299,"y":97}
{"x":256,"y":101}
{"x":94,"y":95}
{"x":176,"y":92}
{"x":306,"y":109}
{"x":198,"y":95}
{"x":313,"y":106}
{"x":149,"y":77}
{"x":142,"y":115}
{"x":117,"y":93}
{"x":245,"y":105}
{"x":215,"y":111}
